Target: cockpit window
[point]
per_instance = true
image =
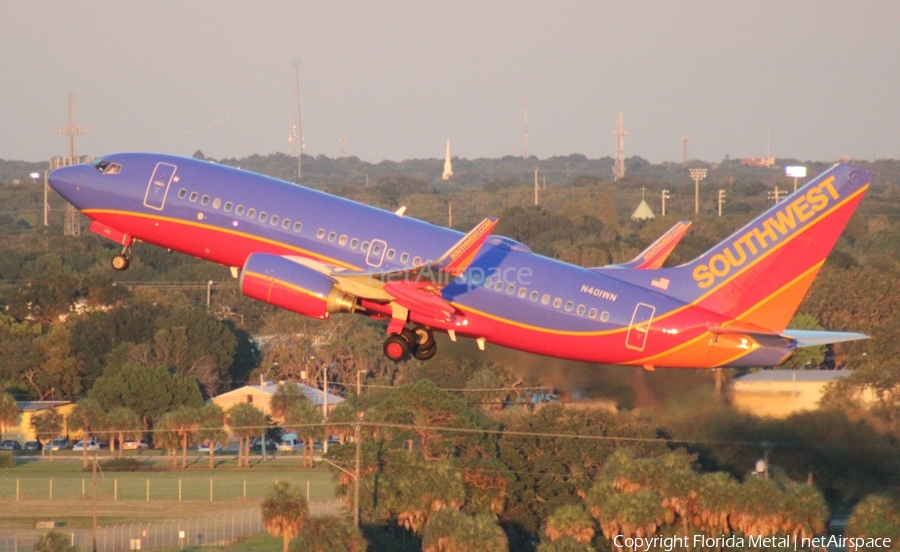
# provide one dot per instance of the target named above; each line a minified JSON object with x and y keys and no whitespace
{"x":107,"y":167}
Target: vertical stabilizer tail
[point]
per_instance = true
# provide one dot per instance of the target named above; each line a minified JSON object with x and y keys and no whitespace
{"x":760,"y":274}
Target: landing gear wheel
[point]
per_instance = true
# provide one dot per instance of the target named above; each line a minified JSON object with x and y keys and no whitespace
{"x":120,"y":262}
{"x":411,"y":338}
{"x":426,"y":353}
{"x":396,"y":348}
{"x":424,"y":337}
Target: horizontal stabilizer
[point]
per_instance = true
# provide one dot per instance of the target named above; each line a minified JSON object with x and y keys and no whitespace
{"x":657,"y":253}
{"x":815,"y":338}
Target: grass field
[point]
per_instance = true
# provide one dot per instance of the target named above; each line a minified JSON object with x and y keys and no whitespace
{"x":122,"y":497}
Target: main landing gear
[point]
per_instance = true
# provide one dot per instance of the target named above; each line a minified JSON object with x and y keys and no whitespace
{"x":417,"y":342}
{"x":123,"y":260}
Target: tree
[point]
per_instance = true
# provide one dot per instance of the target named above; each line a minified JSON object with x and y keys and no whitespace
{"x":330,"y":534}
{"x":453,"y":531}
{"x":285,"y":396}
{"x":54,"y":541}
{"x":47,"y":424}
{"x":246,"y":421}
{"x":120,"y":424}
{"x":182,"y":424}
{"x":570,"y":521}
{"x":86,"y":417}
{"x":9,"y":412}
{"x":148,"y":391}
{"x":284,"y":511}
{"x":305,"y":419}
{"x":212,"y":429}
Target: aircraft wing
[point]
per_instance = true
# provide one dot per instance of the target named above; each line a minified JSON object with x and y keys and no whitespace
{"x":657,"y":253}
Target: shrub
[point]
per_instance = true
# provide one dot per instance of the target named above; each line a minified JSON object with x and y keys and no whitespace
{"x":7,"y":460}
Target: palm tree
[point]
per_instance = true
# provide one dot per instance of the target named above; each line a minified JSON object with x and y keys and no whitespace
{"x":453,"y":531}
{"x":9,"y":412}
{"x":284,"y":511}
{"x":570,"y":521}
{"x":305,"y":418}
{"x":182,"y":423}
{"x":86,"y":417}
{"x":330,"y":534}
{"x":245,"y":421}
{"x":284,"y":397}
{"x":212,"y":429}
{"x":47,"y":424}
{"x":121,"y":422}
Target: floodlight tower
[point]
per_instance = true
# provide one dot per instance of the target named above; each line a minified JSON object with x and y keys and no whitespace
{"x":697,"y":175}
{"x":619,"y":165}
{"x":684,"y":143}
{"x":796,"y":171}
{"x":721,"y":201}
{"x":665,"y":196}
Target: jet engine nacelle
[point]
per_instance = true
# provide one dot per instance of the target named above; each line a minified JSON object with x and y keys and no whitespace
{"x":286,"y":284}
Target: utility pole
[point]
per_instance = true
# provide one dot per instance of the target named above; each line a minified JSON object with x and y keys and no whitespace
{"x":619,"y":165}
{"x":665,"y":196}
{"x":94,"y":505}
{"x":450,"y":215}
{"x":684,"y":155}
{"x":536,"y":188}
{"x":697,"y":175}
{"x":721,"y":201}
{"x":525,"y":138}
{"x":357,"y":436}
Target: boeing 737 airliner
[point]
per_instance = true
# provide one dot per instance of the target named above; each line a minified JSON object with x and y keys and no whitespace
{"x":317,"y":254}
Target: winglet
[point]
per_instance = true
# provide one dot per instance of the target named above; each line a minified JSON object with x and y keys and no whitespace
{"x":458,"y":258}
{"x":655,"y":255}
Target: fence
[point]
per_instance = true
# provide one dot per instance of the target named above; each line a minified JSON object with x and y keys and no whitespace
{"x":217,"y":529}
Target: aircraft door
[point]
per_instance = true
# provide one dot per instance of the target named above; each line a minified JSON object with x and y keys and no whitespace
{"x":158,"y":187}
{"x":640,"y":326}
{"x":375,"y":256}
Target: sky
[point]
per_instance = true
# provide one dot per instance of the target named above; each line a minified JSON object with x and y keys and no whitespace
{"x":816,"y":80}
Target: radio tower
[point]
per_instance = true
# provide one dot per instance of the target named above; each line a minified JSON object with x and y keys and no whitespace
{"x":525,"y":138}
{"x":73,"y":225}
{"x":684,"y":142}
{"x":619,"y":165}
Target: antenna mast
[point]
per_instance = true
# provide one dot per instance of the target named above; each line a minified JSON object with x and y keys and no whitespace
{"x":525,"y":138}
{"x":619,"y":165}
{"x":299,"y":121}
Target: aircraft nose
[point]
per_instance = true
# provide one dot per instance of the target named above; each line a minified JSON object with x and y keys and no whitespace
{"x":68,"y":182}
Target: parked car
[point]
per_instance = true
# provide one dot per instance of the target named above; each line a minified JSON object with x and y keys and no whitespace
{"x":89,"y":445}
{"x":290,"y":443}
{"x":10,"y":444}
{"x":134,"y":445}
{"x":60,"y":443}
{"x":205,"y":447}
{"x":270,"y":445}
{"x":33,"y":445}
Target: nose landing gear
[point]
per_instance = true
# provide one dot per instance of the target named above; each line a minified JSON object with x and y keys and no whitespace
{"x":123,"y":260}
{"x":417,"y":342}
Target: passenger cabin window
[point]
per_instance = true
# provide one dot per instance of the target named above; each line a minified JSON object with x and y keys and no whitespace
{"x":390,"y":254}
{"x":522,"y":292}
{"x":592,"y":313}
{"x":182,"y":193}
{"x":604,"y":317}
{"x":297,"y":226}
{"x":545,"y":300}
{"x":557,"y":303}
{"x":534,"y":296}
{"x":286,"y":224}
{"x":228,"y":206}
{"x":194,"y":196}
{"x":499,"y":285}
{"x":364,"y":247}
{"x":417,"y":261}
{"x":263,"y":216}
{"x":353,"y":243}
{"x":569,"y":306}
{"x":274,"y":220}
{"x":376,"y":249}
{"x":476,"y":277}
{"x":580,"y":310}
{"x":343,"y":240}
{"x":332,"y":236}
{"x":404,"y":257}
{"x":239,"y":211}
{"x":205,"y":200}
{"x":251,"y":213}
{"x":320,"y":233}
{"x":217,"y":203}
